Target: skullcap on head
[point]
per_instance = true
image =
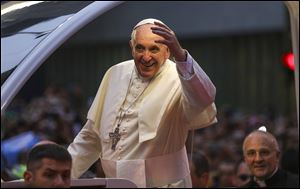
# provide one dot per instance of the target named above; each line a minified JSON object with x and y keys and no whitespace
{"x":262,"y":128}
{"x":147,"y":21}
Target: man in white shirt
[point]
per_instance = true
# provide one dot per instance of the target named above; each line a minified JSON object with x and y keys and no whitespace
{"x":143,"y":110}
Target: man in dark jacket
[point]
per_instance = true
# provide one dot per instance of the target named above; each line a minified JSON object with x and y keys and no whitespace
{"x":262,"y":154}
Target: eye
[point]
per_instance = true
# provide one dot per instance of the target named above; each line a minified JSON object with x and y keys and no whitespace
{"x":265,"y":152}
{"x":250,"y":153}
{"x":139,"y":48}
{"x":66,"y":176}
{"x":154,"y":50}
{"x":49,"y":175}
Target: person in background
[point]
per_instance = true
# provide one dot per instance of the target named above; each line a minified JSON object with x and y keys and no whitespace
{"x":199,"y":166}
{"x":243,"y":174}
{"x":48,"y":165}
{"x":226,"y":174}
{"x":262,"y":155}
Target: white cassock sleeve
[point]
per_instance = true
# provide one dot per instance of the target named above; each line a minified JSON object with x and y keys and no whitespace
{"x":198,"y":94}
{"x":196,"y":85}
{"x":85,"y":149}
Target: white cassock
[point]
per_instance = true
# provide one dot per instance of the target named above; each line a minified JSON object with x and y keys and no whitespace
{"x":158,"y":115}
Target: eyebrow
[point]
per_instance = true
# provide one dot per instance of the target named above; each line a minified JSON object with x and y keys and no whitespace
{"x":151,"y":48}
{"x":53,"y":171}
{"x":154,"y":47}
{"x":259,"y":150}
{"x":139,"y":45}
{"x":50,"y":170}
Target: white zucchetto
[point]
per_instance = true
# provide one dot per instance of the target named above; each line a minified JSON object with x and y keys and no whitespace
{"x":147,"y":21}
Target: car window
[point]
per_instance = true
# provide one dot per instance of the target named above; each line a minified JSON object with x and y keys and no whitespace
{"x":25,"y":24}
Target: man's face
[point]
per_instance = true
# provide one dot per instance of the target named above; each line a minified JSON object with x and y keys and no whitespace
{"x":147,"y":54}
{"x":51,"y":174}
{"x":261,"y":156}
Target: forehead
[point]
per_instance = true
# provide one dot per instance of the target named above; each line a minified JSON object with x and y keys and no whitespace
{"x":144,"y":33}
{"x":258,"y":141}
{"x":52,"y":164}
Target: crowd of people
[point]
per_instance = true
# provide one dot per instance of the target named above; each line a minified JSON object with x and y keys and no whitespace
{"x":54,"y":116}
{"x":224,"y":154}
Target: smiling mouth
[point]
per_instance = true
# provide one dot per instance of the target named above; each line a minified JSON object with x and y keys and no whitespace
{"x":147,"y":65}
{"x":259,"y":167}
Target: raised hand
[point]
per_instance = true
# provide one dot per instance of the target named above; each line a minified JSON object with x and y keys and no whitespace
{"x":170,"y":41}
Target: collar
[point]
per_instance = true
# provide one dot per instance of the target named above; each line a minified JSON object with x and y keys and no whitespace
{"x":262,"y":183}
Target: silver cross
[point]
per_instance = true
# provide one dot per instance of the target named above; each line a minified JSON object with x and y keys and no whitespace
{"x":115,"y":136}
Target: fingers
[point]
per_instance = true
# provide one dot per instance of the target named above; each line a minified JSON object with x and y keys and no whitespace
{"x":165,"y":34}
{"x":163,"y":28}
{"x":162,"y":32}
{"x":162,"y":25}
{"x":164,"y":42}
{"x":169,"y":38}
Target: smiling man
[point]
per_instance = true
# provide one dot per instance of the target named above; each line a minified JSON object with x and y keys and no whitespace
{"x":262,"y":155}
{"x":140,"y":118}
{"x":148,"y":49}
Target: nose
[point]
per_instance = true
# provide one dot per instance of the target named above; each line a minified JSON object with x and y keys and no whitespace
{"x":59,"y":181}
{"x":147,"y":56}
{"x":257,"y":157}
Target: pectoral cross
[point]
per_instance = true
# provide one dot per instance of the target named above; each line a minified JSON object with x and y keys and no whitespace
{"x":115,"y":136}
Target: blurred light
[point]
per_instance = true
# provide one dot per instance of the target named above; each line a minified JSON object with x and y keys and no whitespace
{"x":288,"y":61}
{"x":18,"y":5}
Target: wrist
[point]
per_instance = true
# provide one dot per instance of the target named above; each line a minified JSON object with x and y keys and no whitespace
{"x":181,"y":57}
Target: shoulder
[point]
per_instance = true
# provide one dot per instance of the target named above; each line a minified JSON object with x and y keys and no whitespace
{"x":170,"y":67}
{"x":283,"y":179}
{"x":120,"y":68}
{"x":171,"y":63}
{"x":123,"y":64}
{"x":292,"y":180}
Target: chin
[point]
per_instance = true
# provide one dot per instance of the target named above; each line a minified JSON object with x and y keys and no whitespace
{"x":260,"y":175}
{"x":146,"y":74}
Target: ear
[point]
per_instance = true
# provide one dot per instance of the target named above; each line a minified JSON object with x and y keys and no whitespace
{"x":132,"y":47}
{"x":168,"y":54}
{"x":28,"y":176}
{"x":278,"y":155}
